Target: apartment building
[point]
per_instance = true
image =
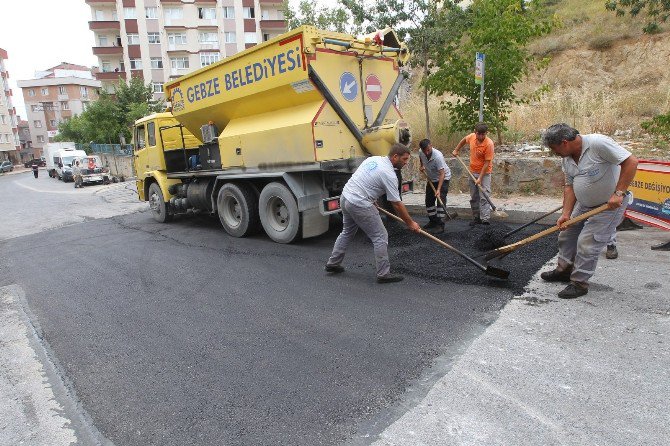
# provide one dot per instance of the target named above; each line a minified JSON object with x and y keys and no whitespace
{"x":159,"y":40}
{"x":27,"y":152}
{"x":56,"y":95}
{"x":9,"y":134}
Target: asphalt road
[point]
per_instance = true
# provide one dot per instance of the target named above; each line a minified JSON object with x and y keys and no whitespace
{"x":179,"y":334}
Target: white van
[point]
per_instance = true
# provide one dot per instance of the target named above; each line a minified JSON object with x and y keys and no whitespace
{"x":59,"y":157}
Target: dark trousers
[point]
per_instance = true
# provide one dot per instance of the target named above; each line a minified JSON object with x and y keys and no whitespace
{"x":433,"y":208}
{"x":35,"y":172}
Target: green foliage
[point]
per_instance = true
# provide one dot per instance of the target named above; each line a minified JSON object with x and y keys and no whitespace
{"x":659,"y":125}
{"x":500,"y":29}
{"x":656,"y":10}
{"x":309,"y":13}
{"x":111,"y":115}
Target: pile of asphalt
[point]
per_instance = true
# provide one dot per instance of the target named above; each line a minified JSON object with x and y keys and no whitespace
{"x":415,"y":255}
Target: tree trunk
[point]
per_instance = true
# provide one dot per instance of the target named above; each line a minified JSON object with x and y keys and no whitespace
{"x":425,"y":96}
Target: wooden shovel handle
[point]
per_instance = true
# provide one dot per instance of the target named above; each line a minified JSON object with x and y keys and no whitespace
{"x":435,"y":191}
{"x":553,"y":229}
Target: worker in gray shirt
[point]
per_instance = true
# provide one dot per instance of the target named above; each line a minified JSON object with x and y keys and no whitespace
{"x":597,"y":171}
{"x":373,"y":178}
{"x":438,"y":173}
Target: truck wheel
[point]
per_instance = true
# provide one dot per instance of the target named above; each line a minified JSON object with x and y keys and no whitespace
{"x":159,"y":208}
{"x":237,"y":209}
{"x":279,"y":213}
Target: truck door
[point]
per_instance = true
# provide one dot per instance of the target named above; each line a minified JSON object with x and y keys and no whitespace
{"x":154,"y":150}
{"x":140,"y":157}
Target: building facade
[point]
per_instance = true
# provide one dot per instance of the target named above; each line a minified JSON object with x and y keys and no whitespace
{"x":159,"y":40}
{"x":26,"y":141}
{"x":56,"y":95}
{"x":9,"y":134}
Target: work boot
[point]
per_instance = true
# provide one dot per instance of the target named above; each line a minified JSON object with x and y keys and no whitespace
{"x":476,"y":221}
{"x":433,"y":222}
{"x":335,"y":269}
{"x":389,"y":278}
{"x":573,"y":290}
{"x":557,"y":276}
{"x":612,"y":252}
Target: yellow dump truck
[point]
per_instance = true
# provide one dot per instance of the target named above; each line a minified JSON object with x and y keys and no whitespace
{"x":266,"y":138}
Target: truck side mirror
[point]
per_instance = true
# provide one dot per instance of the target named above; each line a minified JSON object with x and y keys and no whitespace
{"x":60,"y":165}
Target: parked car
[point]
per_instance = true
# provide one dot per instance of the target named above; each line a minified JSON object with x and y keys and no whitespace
{"x":39,"y":162}
{"x":6,"y":166}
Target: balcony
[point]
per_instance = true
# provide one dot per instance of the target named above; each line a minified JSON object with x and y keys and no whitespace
{"x":101,"y":2}
{"x":110,"y":75}
{"x":209,"y":45}
{"x":273,"y":24}
{"x":105,"y":50}
{"x":100,"y":25}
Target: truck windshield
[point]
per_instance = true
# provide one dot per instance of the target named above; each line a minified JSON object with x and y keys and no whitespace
{"x":67,"y":160}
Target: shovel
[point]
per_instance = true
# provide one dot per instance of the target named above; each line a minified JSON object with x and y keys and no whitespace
{"x":514,"y":231}
{"x":488,"y":269}
{"x":439,"y":200}
{"x":503,"y":251}
{"x":500,"y":214}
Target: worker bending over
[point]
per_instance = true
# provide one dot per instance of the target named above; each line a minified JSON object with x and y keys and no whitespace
{"x":438,"y":173}
{"x":597,"y":171}
{"x":373,"y":178}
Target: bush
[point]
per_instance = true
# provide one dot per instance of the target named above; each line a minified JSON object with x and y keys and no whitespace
{"x":659,"y":125}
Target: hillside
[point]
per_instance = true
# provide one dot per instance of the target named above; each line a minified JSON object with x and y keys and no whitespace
{"x":604,"y":76}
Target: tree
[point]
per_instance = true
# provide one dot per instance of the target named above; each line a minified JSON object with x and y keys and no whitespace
{"x":501,"y":29}
{"x":657,"y":10}
{"x":111,"y":115}
{"x":414,"y":21}
{"x":309,"y":13}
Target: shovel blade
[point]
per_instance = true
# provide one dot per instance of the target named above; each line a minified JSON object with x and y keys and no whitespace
{"x":496,"y":272}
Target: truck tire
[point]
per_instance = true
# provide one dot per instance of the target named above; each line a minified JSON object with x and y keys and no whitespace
{"x":159,"y":208}
{"x":238,"y":210}
{"x":279,"y":213}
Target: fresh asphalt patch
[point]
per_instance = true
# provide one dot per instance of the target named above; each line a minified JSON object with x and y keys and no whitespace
{"x":179,"y":334}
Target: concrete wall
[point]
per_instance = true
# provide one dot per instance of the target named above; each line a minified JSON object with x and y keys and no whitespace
{"x":511,"y":175}
{"x":119,"y":166}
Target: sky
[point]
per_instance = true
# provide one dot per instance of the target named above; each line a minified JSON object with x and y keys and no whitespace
{"x":39,"y":34}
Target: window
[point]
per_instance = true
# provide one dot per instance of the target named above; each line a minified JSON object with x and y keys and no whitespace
{"x":179,"y":62}
{"x":208,"y":37}
{"x":265,"y":14}
{"x":40,"y":138}
{"x":106,"y":67}
{"x":139,"y":137}
{"x":151,"y":133}
{"x":230,"y":37}
{"x":99,"y":15}
{"x":133,"y":39}
{"x":250,"y":38}
{"x":266,"y":37}
{"x":158,"y":87}
{"x":102,"y":40}
{"x":129,"y":13}
{"x":174,"y":13}
{"x":61,"y":90}
{"x":154,"y":37}
{"x":31,"y":92}
{"x":177,"y":39}
{"x":53,"y":123}
{"x":156,"y":62}
{"x":228,"y":12}
{"x":135,"y":64}
{"x":280,"y":15}
{"x":2,"y":118}
{"x":35,"y":108}
{"x":45,"y":91}
{"x":248,"y":12}
{"x":37,"y":123}
{"x":207,"y":13}
{"x":84,"y":92}
{"x":209,"y":58}
{"x":64,"y":105}
{"x":151,"y":12}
